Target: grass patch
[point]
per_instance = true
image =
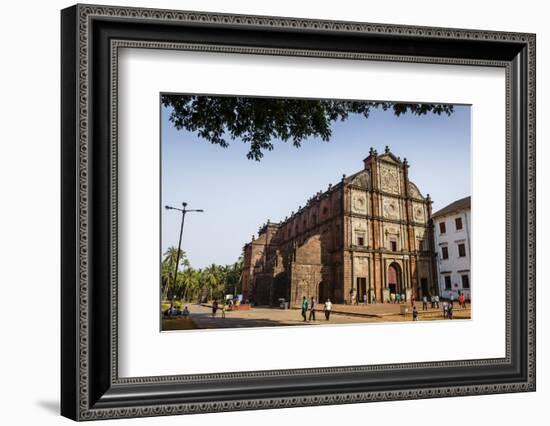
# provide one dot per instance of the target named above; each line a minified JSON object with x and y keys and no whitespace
{"x":178,"y":324}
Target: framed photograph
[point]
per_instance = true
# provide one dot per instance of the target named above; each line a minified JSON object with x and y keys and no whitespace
{"x":265,"y":212}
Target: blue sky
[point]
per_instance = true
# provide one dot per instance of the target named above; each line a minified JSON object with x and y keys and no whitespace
{"x":238,"y":195}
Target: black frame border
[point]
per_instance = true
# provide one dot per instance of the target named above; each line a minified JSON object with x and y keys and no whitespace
{"x":90,"y":387}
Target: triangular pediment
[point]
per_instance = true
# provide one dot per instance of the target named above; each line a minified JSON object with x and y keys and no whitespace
{"x":390,"y":158}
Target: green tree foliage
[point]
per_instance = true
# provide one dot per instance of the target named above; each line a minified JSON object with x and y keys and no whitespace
{"x":260,"y":121}
{"x":233,"y":275}
{"x":214,"y":277}
{"x":169,"y":287}
{"x":190,"y":279}
{"x":212,"y":282}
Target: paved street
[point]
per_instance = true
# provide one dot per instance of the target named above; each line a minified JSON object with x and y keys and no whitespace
{"x":201,"y":316}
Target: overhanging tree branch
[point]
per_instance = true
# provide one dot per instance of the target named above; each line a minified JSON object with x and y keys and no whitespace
{"x":260,"y":121}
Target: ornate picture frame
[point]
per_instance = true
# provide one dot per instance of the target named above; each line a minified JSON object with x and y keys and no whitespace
{"x":91,"y":387}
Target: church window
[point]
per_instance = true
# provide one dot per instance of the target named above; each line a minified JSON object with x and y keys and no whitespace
{"x":442,"y":228}
{"x":458,"y":223}
{"x":393,"y":244}
{"x":447,"y":282}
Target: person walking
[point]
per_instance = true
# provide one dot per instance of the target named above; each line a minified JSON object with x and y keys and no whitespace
{"x":450,"y":311}
{"x":304,"y":308}
{"x":462,"y":300}
{"x":425,"y":303}
{"x":436,"y":301}
{"x":312,"y":309}
{"x":214,"y":308}
{"x":445,"y":309}
{"x":328,"y":309}
{"x":415,"y":314}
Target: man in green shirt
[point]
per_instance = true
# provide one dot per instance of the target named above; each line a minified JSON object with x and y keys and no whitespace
{"x":304,"y":308}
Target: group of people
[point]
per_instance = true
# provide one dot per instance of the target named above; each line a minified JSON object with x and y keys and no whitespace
{"x":399,"y":298}
{"x":227,"y":306}
{"x":447,"y":307}
{"x":313,"y":307}
{"x":434,"y":302}
{"x":175,"y":311}
{"x":373,"y":299}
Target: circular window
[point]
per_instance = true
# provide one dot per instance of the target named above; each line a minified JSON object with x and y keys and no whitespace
{"x":359,"y":202}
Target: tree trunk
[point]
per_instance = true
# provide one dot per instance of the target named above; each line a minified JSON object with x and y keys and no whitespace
{"x":185,"y":293}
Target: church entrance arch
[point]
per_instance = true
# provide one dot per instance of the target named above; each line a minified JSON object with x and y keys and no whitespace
{"x":394,"y":279}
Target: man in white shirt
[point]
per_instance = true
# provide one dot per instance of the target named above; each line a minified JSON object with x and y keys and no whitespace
{"x":328,"y":309}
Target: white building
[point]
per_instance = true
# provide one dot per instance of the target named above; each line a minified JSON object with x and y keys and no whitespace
{"x":452,"y":244}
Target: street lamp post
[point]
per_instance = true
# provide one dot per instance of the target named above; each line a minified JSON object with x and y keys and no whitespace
{"x":183,"y":211}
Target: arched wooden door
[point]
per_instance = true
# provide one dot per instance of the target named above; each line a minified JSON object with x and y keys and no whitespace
{"x":394,"y":283}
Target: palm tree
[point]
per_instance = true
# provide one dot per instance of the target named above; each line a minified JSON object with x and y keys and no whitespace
{"x":191,"y":281}
{"x":202,"y":287}
{"x":167,"y":270}
{"x":214,"y":278}
{"x":233,"y":274}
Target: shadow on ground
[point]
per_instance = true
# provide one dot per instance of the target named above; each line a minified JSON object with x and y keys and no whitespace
{"x":205,"y":321}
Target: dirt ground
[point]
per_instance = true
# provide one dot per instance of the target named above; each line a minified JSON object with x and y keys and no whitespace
{"x":201,"y":317}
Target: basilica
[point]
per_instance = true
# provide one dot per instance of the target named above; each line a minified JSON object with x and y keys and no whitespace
{"x":364,"y":239}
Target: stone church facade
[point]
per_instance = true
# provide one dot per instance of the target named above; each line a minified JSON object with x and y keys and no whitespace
{"x":366,"y":238}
